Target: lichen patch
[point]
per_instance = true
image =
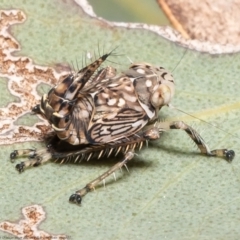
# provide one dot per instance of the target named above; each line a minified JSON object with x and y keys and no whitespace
{"x":23,"y":78}
{"x":27,"y":228}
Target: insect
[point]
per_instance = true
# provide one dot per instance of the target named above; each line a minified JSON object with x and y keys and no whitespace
{"x":98,"y":113}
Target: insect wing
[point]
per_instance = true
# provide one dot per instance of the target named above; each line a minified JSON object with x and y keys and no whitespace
{"x":117,"y":113}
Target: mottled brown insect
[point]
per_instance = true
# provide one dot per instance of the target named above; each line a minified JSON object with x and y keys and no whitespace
{"x":103,"y":114}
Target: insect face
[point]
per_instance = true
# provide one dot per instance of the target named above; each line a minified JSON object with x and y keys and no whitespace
{"x":153,"y":85}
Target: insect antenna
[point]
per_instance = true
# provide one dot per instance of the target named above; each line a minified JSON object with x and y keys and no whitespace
{"x":130,"y":60}
{"x":173,"y":107}
{"x":210,"y":124}
{"x":180,"y":60}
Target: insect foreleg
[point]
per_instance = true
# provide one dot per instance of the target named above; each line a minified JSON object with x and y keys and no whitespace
{"x":203,"y":147}
{"x":77,"y":197}
{"x":35,"y":157}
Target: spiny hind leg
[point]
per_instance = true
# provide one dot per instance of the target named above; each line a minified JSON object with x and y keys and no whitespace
{"x":151,"y":133}
{"x":77,"y":197}
{"x":203,"y":147}
{"x":35,"y":157}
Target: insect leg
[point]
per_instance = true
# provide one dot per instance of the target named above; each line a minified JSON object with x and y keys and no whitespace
{"x":35,"y":157}
{"x":77,"y":197}
{"x":136,"y":141}
{"x":203,"y":147}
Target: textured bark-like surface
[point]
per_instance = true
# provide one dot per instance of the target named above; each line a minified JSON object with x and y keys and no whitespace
{"x":27,"y":228}
{"x":213,"y":21}
{"x":23,"y":78}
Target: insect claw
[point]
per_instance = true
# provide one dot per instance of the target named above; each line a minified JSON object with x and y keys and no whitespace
{"x":20,"y":167}
{"x":230,"y":154}
{"x":75,"y":198}
{"x":13,"y":155}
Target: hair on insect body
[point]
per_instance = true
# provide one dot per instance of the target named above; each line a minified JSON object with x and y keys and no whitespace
{"x":99,"y":113}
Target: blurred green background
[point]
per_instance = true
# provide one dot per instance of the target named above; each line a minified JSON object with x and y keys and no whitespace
{"x":146,"y":11}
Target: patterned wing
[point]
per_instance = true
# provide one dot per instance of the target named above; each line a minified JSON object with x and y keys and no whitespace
{"x":117,"y":112}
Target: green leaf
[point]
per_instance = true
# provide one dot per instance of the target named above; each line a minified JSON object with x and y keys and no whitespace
{"x":172,"y":191}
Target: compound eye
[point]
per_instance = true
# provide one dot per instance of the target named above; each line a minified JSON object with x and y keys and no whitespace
{"x":162,"y":96}
{"x":36,"y":109}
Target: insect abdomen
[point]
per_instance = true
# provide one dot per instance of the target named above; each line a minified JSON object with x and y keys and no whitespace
{"x":68,"y":107}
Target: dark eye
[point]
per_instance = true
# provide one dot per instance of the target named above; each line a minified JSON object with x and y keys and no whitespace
{"x":36,"y":109}
{"x":67,"y":118}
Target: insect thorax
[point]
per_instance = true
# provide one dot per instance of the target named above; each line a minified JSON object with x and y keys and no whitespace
{"x":105,"y":107}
